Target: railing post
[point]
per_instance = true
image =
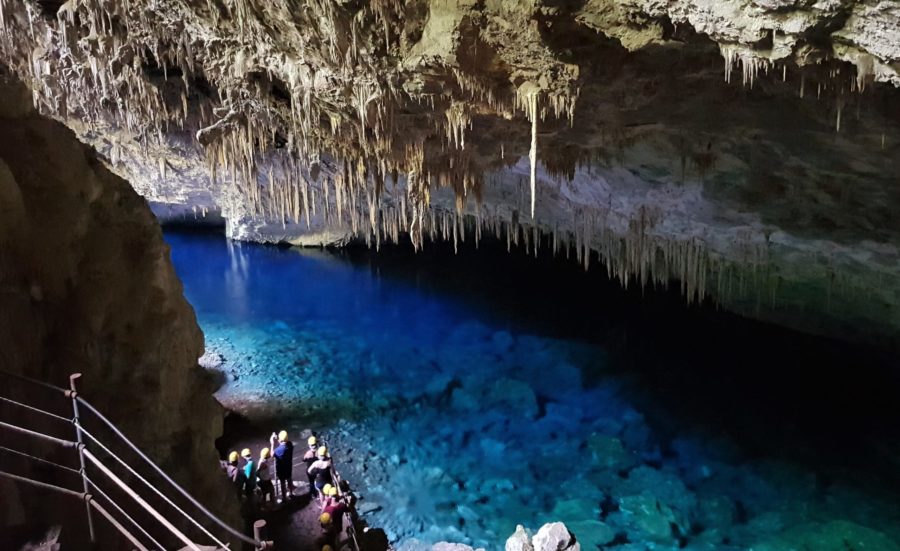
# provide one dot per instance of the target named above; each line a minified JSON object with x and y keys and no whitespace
{"x":258,"y":528}
{"x":73,"y":392}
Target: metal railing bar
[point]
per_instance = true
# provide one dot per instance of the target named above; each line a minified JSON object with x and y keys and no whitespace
{"x":17,"y":452}
{"x":100,"y":491}
{"x":60,"y":441}
{"x":152,"y":487}
{"x":32,"y":408}
{"x":33,"y":381}
{"x":44,"y":485}
{"x":79,"y":495}
{"x":160,"y":472}
{"x":118,"y":526}
{"x":140,"y":501}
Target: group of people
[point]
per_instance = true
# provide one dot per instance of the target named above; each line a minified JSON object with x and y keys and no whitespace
{"x":275,"y":463}
{"x":256,"y":477}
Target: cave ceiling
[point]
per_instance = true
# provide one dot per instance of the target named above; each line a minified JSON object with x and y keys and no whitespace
{"x":747,"y":149}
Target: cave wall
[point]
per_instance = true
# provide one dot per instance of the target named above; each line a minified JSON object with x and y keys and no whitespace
{"x":86,"y":285}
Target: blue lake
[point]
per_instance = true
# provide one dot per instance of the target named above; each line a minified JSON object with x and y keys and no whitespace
{"x":465,"y":394}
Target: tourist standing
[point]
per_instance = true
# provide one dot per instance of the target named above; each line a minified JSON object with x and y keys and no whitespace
{"x":235,"y":474}
{"x":249,"y":474}
{"x":284,"y":465}
{"x":320,"y":470}
{"x":309,"y":458}
{"x":264,"y":473}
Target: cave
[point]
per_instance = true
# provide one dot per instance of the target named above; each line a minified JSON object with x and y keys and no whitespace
{"x":447,"y":275}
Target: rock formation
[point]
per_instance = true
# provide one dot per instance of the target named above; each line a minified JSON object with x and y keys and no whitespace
{"x":745,"y":148}
{"x":87,"y":287}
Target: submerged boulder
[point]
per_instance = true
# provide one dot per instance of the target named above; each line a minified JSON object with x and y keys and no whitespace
{"x":646,"y":518}
{"x":445,"y":546}
{"x":839,"y":535}
{"x":591,"y":534}
{"x":515,"y":396}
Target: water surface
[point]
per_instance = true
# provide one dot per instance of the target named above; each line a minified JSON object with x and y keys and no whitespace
{"x":465,"y":394}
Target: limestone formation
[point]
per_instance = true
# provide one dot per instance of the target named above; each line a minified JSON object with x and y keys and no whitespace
{"x":746,"y":149}
{"x":519,"y":541}
{"x":87,"y":287}
{"x":555,"y":537}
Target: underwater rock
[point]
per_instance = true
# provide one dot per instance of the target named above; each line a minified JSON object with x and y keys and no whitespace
{"x":666,"y":487}
{"x":715,"y":511}
{"x":502,"y":341}
{"x":575,"y":508}
{"x":514,"y":395}
{"x":839,"y":535}
{"x":609,"y":453}
{"x":519,"y":541}
{"x":444,"y":546}
{"x":211,"y":360}
{"x":646,"y":517}
{"x":591,"y":534}
{"x":555,"y":537}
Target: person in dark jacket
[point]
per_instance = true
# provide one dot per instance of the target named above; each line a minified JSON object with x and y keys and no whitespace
{"x":235,"y":474}
{"x":284,"y":465}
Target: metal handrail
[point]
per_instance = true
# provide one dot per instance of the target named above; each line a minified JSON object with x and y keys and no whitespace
{"x":160,"y":472}
{"x":149,"y":485}
{"x":140,"y":501}
{"x":45,"y":485}
{"x":42,"y":436}
{"x":84,"y":453}
{"x":337,"y":479}
{"x":87,"y":498}
{"x":27,"y":379}
{"x":112,"y":520}
{"x":122,"y":512}
{"x":38,"y":410}
{"x":40,"y":460}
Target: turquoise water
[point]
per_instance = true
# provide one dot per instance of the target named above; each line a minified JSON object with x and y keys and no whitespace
{"x":465,"y":394}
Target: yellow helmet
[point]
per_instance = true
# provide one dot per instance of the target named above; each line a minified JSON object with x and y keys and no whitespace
{"x":264,"y":454}
{"x":326,"y":548}
{"x":246,"y":453}
{"x":232,"y":457}
{"x":323,"y":452}
{"x":330,"y":491}
{"x":325,"y":519}
{"x":282,"y":436}
{"x":326,"y":489}
{"x":311,"y":441}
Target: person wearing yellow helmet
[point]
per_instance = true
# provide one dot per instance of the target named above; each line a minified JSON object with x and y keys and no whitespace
{"x":309,"y":458}
{"x":235,"y":473}
{"x":264,"y":474}
{"x":284,"y":465}
{"x":320,"y":472}
{"x":249,"y":473}
{"x":331,"y":496}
